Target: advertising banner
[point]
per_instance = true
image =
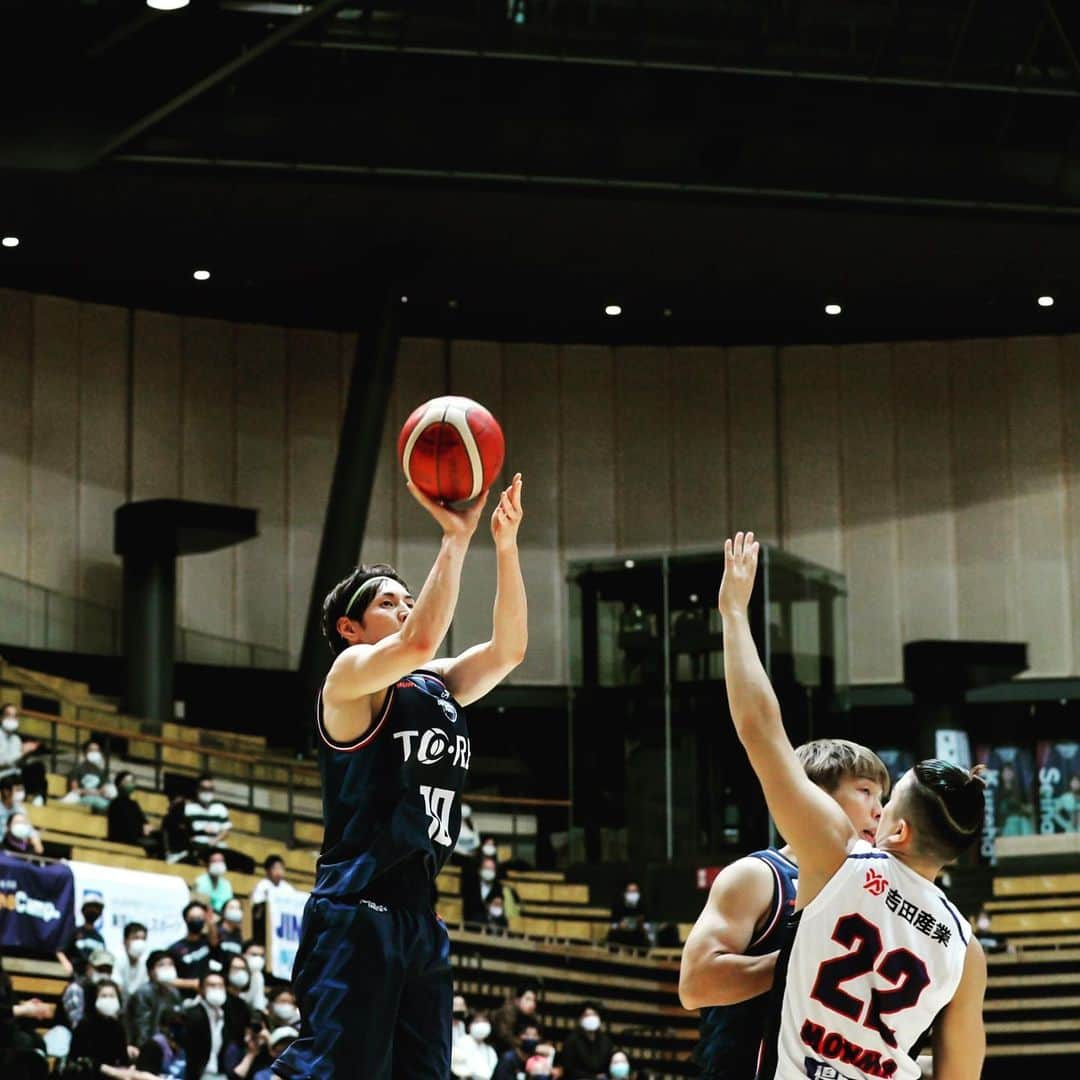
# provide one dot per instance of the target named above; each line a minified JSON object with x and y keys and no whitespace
{"x":1010,"y":794}
{"x":284,"y":917}
{"x":1059,"y":787}
{"x":36,"y":905}
{"x":155,"y":900}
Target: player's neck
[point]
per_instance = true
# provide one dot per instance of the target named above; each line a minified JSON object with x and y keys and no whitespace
{"x":923,"y":867}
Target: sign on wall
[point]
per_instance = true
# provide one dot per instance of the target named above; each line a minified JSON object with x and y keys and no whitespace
{"x":35,"y":906}
{"x":284,"y":917}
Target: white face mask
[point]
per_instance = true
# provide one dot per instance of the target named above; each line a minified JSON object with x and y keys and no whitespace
{"x":631,"y":898}
{"x":480,"y":1030}
{"x":489,"y":850}
{"x":206,"y":797}
{"x":11,"y":724}
{"x":215,"y":997}
{"x":256,"y":963}
{"x":216,"y":869}
{"x":107,"y":1006}
{"x":590,"y":1023}
{"x":283,"y":1010}
{"x":18,"y":796}
{"x":136,"y":947}
{"x":487,"y":875}
{"x":239,"y":978}
{"x":166,"y":975}
{"x":21,"y":830}
{"x":95,"y":757}
{"x":496,"y":912}
{"x":233,"y":914}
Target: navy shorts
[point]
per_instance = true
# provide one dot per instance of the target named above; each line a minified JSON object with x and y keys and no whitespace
{"x":375,"y":991}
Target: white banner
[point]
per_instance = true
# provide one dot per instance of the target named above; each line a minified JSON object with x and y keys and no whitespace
{"x":953,"y":746}
{"x":155,"y":900}
{"x":284,"y":917}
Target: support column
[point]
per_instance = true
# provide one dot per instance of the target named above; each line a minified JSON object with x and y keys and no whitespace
{"x":150,"y":632}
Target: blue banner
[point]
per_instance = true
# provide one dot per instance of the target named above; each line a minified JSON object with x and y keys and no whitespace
{"x":37,"y":905}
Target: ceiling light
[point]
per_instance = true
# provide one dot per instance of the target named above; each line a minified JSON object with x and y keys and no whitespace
{"x":453,"y":305}
{"x":667,"y":313}
{"x":10,"y":241}
{"x":201,"y":275}
{"x":1044,"y":301}
{"x":404,"y":299}
{"x":167,"y":5}
{"x":833,"y":309}
{"x":629,"y":564}
{"x":613,"y":309}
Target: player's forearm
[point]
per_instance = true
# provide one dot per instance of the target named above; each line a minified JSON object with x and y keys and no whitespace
{"x":754,"y":708}
{"x":430,"y":618}
{"x":726,"y":979}
{"x":510,"y":620}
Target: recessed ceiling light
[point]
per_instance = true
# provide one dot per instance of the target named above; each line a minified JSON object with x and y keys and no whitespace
{"x":1046,"y":301}
{"x":833,"y":309}
{"x":629,"y":564}
{"x":404,"y":299}
{"x":167,"y":5}
{"x":10,"y":241}
{"x":667,"y":313}
{"x":613,"y":309}
{"x":201,"y":275}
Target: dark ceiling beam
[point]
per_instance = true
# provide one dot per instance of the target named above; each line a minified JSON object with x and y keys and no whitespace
{"x":613,"y":184}
{"x":279,"y":37}
{"x":647,"y":64}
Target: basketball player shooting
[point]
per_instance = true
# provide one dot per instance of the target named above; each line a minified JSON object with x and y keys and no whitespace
{"x":372,"y":974}
{"x":878,"y":953}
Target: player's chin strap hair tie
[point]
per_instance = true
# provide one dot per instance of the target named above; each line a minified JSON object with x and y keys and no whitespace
{"x":372,"y":585}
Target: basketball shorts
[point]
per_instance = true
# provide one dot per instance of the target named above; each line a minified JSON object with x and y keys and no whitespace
{"x":375,"y":992}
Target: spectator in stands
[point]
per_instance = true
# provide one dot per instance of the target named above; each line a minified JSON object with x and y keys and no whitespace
{"x":468,"y":841}
{"x":510,"y":1016}
{"x":488,"y":848}
{"x":229,"y":932}
{"x":20,"y":1045}
{"x":473,"y":1058}
{"x":15,"y":752}
{"x":282,"y":1007}
{"x":214,"y":885}
{"x":274,"y":884}
{"x":12,"y":798}
{"x":175,"y":838}
{"x":538,"y":1065}
{"x":153,"y":1000}
{"x":629,"y":925}
{"x":496,"y":914}
{"x":256,"y":1059}
{"x":20,"y":836}
{"x":619,"y":1069}
{"x":481,"y":891}
{"x":164,"y":1052}
{"x":460,"y":1014}
{"x":207,"y":1039}
{"x":80,"y":994}
{"x":587,"y":1051}
{"x":87,"y":938}
{"x":255,"y":995}
{"x":88,"y":781}
{"x":191,"y":953}
{"x":512,"y":1062}
{"x":129,"y":972}
{"x":127,"y":822}
{"x":207,"y":818}
{"x":280,"y":1040}
{"x":237,"y":1010}
{"x":100,"y":1035}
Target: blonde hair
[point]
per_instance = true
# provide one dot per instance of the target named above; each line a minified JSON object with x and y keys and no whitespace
{"x":828,"y":761}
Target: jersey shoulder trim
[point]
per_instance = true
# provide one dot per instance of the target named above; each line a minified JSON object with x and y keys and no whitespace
{"x":960,"y":923}
{"x":367,"y":737}
{"x":777,"y":900}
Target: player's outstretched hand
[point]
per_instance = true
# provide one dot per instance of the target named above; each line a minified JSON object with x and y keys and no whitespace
{"x":740,"y":569}
{"x":507,"y":516}
{"x":456,"y":523}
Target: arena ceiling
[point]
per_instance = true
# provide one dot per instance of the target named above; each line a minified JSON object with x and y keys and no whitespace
{"x":735,"y":163}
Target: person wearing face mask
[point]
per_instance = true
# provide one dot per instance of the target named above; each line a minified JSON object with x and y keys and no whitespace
{"x":482,"y":892}
{"x":473,"y":1058}
{"x":511,"y":1015}
{"x":15,"y":752}
{"x":87,"y":938}
{"x":279,"y":1040}
{"x":282,"y":1009}
{"x":586,"y":1051}
{"x":191,"y":953}
{"x":255,"y":994}
{"x":153,"y":999}
{"x":20,"y":836}
{"x":12,"y":798}
{"x":459,"y":1015}
{"x":237,"y":1011}
{"x":629,"y":924}
{"x":80,"y":994}
{"x":619,"y":1069}
{"x":511,"y":1064}
{"x":206,"y":1031}
{"x":229,"y":933}
{"x":207,"y":818}
{"x":130,"y":970}
{"x":88,"y":781}
{"x":127,"y":822}
{"x":100,"y":1035}
{"x":214,"y":885}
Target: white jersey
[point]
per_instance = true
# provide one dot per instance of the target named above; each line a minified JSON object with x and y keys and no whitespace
{"x":875,"y":957}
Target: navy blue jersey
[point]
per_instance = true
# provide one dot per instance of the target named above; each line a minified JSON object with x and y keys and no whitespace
{"x":393,"y":797}
{"x":731,"y":1034}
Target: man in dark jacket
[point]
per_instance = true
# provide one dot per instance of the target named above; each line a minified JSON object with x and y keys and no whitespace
{"x":208,"y":1021}
{"x":153,"y":999}
{"x":127,"y":822}
{"x":587,"y":1051}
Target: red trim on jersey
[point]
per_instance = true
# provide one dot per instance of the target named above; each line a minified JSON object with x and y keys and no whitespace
{"x":779,"y":905}
{"x":348,"y":748}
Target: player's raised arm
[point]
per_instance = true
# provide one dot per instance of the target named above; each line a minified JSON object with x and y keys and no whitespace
{"x":811,"y":822}
{"x":364,"y":669}
{"x":481,"y":668}
{"x":959,"y":1034}
{"x":714,"y":970}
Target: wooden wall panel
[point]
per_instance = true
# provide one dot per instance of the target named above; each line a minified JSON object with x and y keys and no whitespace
{"x":16,"y":371}
{"x":985,"y":511}
{"x":531,"y":417}
{"x":156,"y":406}
{"x":587,"y":436}
{"x":871,"y":530}
{"x":313,"y":398}
{"x":810,"y":453}
{"x":699,"y":435}
{"x":644,"y":511}
{"x":1036,"y":453}
{"x":753,"y":493}
{"x":261,"y":466}
{"x":928,"y":596}
{"x":205,"y":583}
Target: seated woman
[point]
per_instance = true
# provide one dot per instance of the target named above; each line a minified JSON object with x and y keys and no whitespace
{"x":20,"y":837}
{"x":99,"y":1035}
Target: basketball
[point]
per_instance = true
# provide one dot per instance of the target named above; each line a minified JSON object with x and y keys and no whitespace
{"x":452,"y":449}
